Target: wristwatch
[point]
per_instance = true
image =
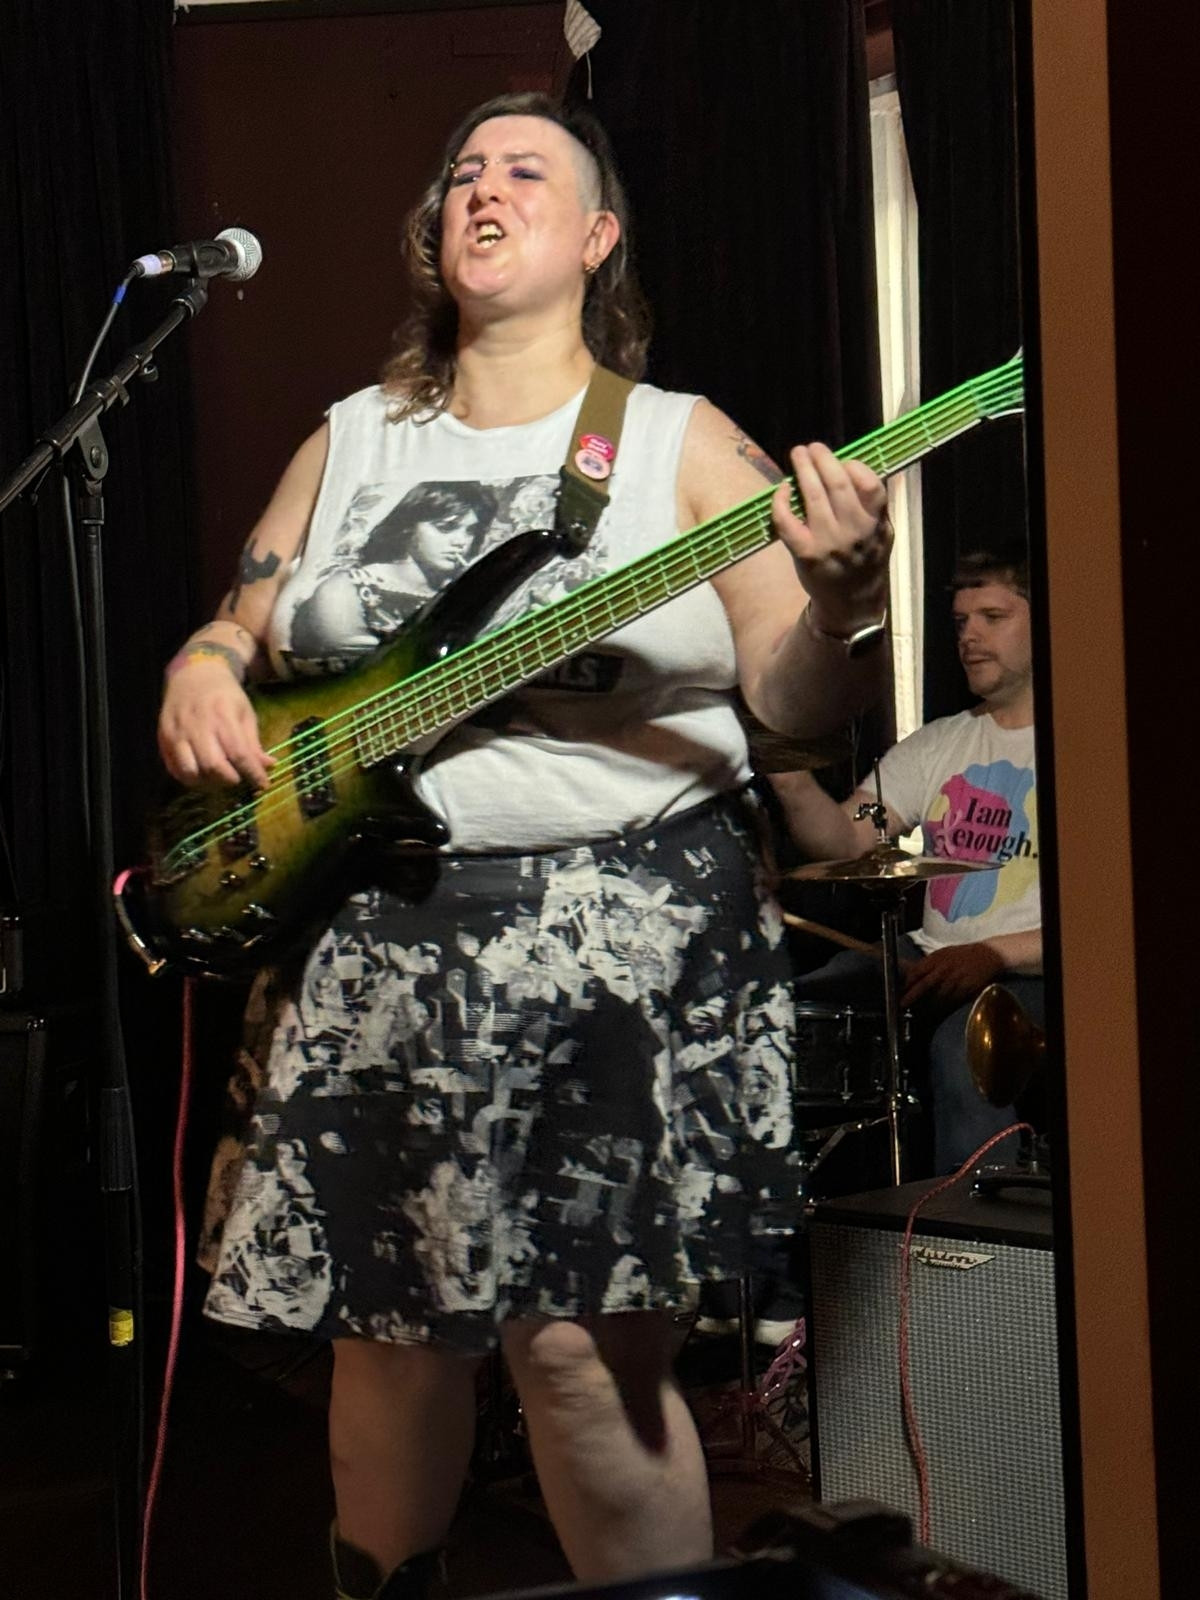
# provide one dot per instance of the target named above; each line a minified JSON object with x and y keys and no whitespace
{"x":857,"y":644}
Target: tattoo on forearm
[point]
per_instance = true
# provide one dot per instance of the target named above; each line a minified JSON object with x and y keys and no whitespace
{"x":758,"y":459}
{"x":223,"y":652}
{"x":252,"y":570}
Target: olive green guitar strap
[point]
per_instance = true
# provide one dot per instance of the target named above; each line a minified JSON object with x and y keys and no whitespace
{"x":591,"y":455}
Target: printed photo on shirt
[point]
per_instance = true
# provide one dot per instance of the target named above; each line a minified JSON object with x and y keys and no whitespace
{"x":391,"y":556}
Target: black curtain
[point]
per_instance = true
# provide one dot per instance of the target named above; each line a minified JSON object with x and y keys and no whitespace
{"x":84,"y":187}
{"x":955,"y":75}
{"x":742,"y":131}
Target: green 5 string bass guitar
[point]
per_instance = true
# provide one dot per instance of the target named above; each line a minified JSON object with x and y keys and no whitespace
{"x":236,"y":876}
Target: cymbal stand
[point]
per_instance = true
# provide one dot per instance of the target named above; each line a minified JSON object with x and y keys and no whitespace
{"x":890,"y":916}
{"x":891,"y":897}
{"x":759,"y":1436}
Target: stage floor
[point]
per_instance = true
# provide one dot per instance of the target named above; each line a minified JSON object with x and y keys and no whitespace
{"x":245,"y":1503}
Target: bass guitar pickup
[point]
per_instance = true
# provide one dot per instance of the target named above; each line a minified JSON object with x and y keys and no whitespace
{"x":313,"y":771}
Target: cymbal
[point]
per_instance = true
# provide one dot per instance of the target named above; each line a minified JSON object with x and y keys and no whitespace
{"x":887,"y":864}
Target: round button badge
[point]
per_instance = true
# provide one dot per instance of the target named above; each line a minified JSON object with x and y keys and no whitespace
{"x":595,"y":456}
{"x":591,"y":465}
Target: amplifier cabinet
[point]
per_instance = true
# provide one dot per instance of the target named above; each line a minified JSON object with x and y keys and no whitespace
{"x":49,"y":1205}
{"x":983,"y":1365}
{"x":22,"y":1103}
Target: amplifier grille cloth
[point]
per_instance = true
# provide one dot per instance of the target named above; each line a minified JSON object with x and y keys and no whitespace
{"x":984,"y":1367}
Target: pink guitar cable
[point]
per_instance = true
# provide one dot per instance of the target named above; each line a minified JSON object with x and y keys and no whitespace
{"x":160,"y":1443}
{"x":912,"y":1427}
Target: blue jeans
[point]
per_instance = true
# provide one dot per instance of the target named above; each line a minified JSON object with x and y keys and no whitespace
{"x":962,"y":1118}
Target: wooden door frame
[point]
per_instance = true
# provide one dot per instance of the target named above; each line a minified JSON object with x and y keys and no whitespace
{"x":1107,"y":153}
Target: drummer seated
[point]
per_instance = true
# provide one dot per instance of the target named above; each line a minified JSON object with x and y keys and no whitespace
{"x":969,"y":783}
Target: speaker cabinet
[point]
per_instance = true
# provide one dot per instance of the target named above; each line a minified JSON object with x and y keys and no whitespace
{"x":983,"y":1365}
{"x":49,"y":1228}
{"x":22,"y":1102}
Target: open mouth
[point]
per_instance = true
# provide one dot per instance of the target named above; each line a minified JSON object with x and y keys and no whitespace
{"x":488,"y":235}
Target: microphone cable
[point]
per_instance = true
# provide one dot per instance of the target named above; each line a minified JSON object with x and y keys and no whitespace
{"x":173,"y":1339}
{"x":109,"y":317}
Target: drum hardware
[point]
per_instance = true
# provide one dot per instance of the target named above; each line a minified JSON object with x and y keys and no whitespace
{"x":844,"y":1051}
{"x":834,"y":935}
{"x":501,"y":1448}
{"x":1006,"y":1051}
{"x":888,"y":873}
{"x":884,"y":864}
{"x":863,"y":1078}
{"x":758,"y":1434}
{"x":837,"y":1131}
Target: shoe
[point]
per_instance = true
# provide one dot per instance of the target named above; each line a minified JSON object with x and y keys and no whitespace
{"x":767,"y":1330}
{"x":357,"y":1575}
{"x":717,"y":1327}
{"x":774,"y":1330}
{"x":412,"y":1580}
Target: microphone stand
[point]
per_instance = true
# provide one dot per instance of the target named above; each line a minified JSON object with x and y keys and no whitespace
{"x":76,"y":441}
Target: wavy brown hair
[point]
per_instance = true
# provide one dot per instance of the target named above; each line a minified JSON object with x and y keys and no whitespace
{"x":419,"y":376}
{"x":1007,"y":563}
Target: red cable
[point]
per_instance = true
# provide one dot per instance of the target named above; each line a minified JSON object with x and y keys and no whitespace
{"x":912,"y":1427}
{"x":160,"y":1443}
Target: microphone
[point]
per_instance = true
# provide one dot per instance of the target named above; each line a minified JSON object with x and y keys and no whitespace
{"x":234,"y":254}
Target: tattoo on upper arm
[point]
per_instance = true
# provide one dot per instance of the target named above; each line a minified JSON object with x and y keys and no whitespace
{"x":252,"y":570}
{"x":758,"y":459}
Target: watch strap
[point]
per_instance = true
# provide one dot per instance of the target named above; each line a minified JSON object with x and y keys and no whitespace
{"x":859,"y":642}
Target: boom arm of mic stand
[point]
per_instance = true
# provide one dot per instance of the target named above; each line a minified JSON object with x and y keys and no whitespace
{"x":99,"y":397}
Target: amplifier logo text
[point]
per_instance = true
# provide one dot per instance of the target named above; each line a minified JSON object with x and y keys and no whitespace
{"x":958,"y":1260}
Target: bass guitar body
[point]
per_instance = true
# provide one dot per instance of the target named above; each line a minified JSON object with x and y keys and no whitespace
{"x":238,"y":877}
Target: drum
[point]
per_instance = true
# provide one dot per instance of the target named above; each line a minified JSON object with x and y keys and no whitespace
{"x":841,"y":1056}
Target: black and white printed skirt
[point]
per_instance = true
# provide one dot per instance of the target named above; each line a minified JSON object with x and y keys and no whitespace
{"x":558,"y":1087}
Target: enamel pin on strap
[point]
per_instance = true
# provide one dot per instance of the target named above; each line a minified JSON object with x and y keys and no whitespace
{"x":591,"y":456}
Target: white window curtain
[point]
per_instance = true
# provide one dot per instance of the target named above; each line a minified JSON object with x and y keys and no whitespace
{"x":899,"y":351}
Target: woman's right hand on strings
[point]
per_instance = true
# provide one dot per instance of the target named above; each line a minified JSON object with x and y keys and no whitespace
{"x":207,"y":731}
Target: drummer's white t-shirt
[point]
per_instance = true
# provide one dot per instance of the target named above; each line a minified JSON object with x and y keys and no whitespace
{"x":971,"y":786}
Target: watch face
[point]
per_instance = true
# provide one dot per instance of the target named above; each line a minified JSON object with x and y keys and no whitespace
{"x":866,"y":639}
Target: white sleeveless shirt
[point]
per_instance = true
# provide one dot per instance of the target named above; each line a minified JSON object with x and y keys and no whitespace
{"x":632,"y":729}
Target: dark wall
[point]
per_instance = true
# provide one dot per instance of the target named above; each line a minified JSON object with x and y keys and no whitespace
{"x":1153,"y":168}
{"x":316,"y":133}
